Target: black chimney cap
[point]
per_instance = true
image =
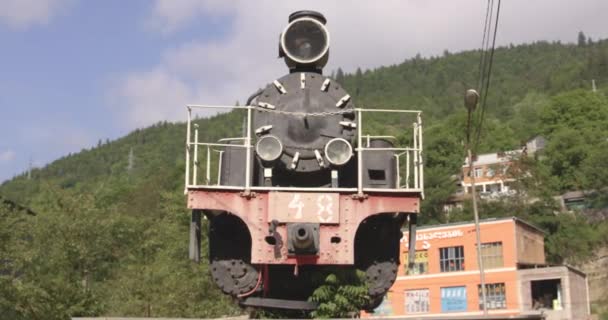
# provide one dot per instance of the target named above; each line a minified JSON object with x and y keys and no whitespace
{"x":308,"y":13}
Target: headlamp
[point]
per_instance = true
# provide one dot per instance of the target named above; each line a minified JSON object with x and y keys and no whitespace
{"x":269,"y":148}
{"x":338,"y":151}
{"x":305,"y":40}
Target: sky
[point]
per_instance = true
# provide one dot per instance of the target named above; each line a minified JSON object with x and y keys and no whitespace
{"x":73,"y":72}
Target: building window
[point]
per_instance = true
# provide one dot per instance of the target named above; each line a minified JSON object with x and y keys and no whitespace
{"x":490,"y":173}
{"x":421,"y":263}
{"x":451,"y":259}
{"x":491,"y":255}
{"x":495,"y":296}
{"x":417,"y":301}
{"x":454,"y":299}
{"x":478,"y":172}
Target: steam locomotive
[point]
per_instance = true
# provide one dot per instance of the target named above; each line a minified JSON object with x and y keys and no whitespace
{"x":304,"y":188}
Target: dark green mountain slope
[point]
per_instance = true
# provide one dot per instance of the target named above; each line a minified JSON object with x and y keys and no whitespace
{"x":110,"y":234}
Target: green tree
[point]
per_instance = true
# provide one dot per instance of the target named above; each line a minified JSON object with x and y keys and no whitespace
{"x":582,"y":40}
{"x":341,"y":295}
{"x":340,"y":75}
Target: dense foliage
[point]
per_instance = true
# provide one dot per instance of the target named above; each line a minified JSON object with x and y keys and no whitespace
{"x":111,"y":230}
{"x":340,"y":295}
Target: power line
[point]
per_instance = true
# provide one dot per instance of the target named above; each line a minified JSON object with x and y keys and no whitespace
{"x":485,"y":91}
{"x":482,"y":60}
{"x":482,"y":56}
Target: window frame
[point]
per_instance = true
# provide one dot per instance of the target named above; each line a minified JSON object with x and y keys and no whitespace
{"x":492,"y":255}
{"x":496,"y":296}
{"x":478,"y":175}
{"x":490,"y":173}
{"x":446,"y":258}
{"x":428,"y":300}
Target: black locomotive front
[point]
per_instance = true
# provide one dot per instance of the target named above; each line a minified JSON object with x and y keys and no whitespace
{"x":305,"y":123}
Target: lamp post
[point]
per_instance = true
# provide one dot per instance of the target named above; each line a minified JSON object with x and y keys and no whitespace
{"x":471,"y":97}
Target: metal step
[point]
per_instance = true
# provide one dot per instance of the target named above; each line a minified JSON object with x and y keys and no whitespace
{"x":279,"y":304}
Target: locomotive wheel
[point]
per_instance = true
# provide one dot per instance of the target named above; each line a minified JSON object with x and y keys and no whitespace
{"x":380,"y":277}
{"x":377,"y":253}
{"x":230,"y":255}
{"x":234,"y":276}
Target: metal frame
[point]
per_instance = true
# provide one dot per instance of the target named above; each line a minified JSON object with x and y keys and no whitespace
{"x":412,"y":154}
{"x":258,"y":212}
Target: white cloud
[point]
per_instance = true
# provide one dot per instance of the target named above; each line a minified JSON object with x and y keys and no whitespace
{"x":364,"y":34}
{"x":7,"y":156}
{"x":21,"y":14}
{"x":170,"y":15}
{"x":152,"y":96}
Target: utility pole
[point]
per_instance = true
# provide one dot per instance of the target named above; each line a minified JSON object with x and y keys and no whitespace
{"x":29,"y":170}
{"x":593,"y":87}
{"x":131,"y":160}
{"x":470,"y":100}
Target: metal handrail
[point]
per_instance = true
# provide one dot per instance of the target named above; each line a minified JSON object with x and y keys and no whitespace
{"x":413,"y":155}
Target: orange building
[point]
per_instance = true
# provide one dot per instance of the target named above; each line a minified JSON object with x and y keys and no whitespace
{"x":445,"y":280}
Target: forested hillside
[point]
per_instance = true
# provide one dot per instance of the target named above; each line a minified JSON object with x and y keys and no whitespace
{"x":110,"y":232}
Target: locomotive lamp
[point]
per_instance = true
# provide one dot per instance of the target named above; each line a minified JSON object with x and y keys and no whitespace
{"x":269,"y":148}
{"x":304,"y":43}
{"x":338,"y":151}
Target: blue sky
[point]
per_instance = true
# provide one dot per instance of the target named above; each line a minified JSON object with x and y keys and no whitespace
{"x":73,"y":72}
{"x":56,"y":76}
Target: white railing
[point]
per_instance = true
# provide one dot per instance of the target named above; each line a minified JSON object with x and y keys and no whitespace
{"x":409,"y":158}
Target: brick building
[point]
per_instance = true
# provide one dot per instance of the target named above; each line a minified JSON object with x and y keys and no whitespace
{"x":445,"y":280}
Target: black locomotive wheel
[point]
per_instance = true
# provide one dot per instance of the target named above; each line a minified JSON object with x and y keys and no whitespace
{"x":380,"y":276}
{"x":230,"y":255}
{"x":234,"y":276}
{"x":380,"y":264}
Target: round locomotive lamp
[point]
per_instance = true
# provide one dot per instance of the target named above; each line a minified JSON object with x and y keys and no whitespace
{"x":305,"y":40}
{"x":338,"y":151}
{"x":269,"y":148}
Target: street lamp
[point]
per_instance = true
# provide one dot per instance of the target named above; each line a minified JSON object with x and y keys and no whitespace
{"x":471,"y":97}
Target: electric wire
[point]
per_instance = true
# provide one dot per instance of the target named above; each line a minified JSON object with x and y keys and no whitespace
{"x":488,"y":77}
{"x":482,"y":60}
{"x":482,"y":56}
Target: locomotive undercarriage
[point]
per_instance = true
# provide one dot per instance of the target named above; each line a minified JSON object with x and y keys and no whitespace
{"x":246,"y":264}
{"x":234,"y":274}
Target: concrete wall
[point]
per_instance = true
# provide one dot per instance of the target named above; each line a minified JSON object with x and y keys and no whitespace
{"x":530,"y":244}
{"x":579,"y":300}
{"x":573,"y":287}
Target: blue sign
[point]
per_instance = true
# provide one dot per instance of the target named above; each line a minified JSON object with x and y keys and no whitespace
{"x":454,"y":299}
